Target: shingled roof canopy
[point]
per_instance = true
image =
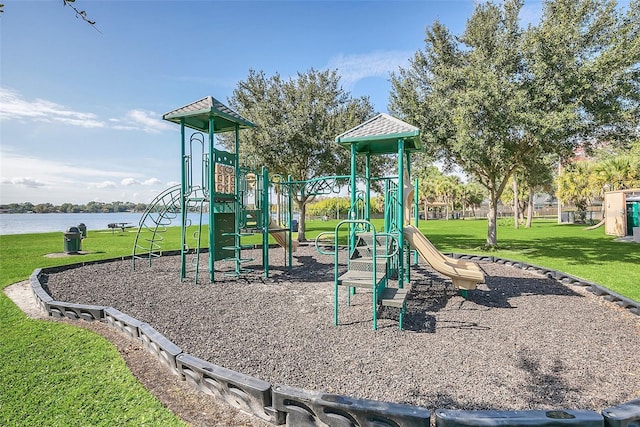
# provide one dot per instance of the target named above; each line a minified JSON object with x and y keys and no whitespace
{"x":196,"y":116}
{"x":380,"y":135}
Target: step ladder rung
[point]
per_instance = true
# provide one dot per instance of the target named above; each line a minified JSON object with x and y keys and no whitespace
{"x":394,"y":297}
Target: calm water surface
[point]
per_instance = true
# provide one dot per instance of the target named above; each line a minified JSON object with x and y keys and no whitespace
{"x":51,"y":222}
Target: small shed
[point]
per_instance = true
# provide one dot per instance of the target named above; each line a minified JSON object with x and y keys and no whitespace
{"x":622,"y":212}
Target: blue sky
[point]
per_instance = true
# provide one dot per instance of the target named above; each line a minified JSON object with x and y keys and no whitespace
{"x":81,"y":110}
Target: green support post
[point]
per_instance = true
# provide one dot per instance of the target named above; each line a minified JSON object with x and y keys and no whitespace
{"x":368,"y":187}
{"x":266,"y":218}
{"x":183,"y":209}
{"x":400,"y":213}
{"x":354,"y":188}
{"x":211,"y":180}
{"x":290,"y":208}
{"x":237,"y":200}
{"x":416,"y":215}
{"x":387,"y":222}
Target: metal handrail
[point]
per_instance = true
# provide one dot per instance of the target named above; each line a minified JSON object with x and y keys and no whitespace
{"x":318,"y":239}
{"x":374,"y":284}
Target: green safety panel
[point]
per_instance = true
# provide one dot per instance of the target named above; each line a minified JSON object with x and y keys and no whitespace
{"x":252,"y":218}
{"x":224,"y":223}
{"x":633,"y":216}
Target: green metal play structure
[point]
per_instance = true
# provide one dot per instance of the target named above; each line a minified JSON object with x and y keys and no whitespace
{"x":236,"y":201}
{"x":215,"y":184}
{"x":378,"y":259}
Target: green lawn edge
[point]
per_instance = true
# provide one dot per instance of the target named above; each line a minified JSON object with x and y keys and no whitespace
{"x":56,"y":374}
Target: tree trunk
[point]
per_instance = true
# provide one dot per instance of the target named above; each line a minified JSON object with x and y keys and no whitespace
{"x":516,"y":205}
{"x":302,"y":206}
{"x":530,"y":209}
{"x":446,"y":208}
{"x":557,"y":192}
{"x":492,"y":234}
{"x":426,"y":210}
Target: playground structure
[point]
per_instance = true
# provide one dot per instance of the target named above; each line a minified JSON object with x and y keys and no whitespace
{"x":376,"y":259}
{"x":236,"y":201}
{"x":234,"y":197}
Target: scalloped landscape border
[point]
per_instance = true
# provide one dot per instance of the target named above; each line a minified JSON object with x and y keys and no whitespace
{"x":281,"y":404}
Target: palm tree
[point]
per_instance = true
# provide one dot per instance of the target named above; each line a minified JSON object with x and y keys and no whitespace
{"x":448,"y":188}
{"x":618,"y":173}
{"x":427,"y":181}
{"x":473,"y":194}
{"x":576,"y":185}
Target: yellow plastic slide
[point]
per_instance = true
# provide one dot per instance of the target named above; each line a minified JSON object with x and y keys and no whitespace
{"x":281,"y":236}
{"x":462,"y":278}
{"x":408,"y":200}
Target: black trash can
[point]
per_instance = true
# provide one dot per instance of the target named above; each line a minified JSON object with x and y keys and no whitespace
{"x":294,"y":225}
{"x":72,"y":240}
{"x":83,"y":229}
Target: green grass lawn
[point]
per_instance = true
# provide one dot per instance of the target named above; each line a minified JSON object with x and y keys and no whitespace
{"x":58,"y":375}
{"x":591,"y":255}
{"x":55,"y":374}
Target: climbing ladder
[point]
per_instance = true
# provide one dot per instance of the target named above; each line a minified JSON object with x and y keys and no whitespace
{"x":160,"y":214}
{"x":164,"y":211}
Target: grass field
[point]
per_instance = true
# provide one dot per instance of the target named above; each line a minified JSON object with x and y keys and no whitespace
{"x":54,"y":374}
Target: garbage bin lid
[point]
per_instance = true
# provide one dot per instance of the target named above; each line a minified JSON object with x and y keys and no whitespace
{"x":73,"y":230}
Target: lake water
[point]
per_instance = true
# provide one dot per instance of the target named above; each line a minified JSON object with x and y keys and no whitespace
{"x":51,"y":222}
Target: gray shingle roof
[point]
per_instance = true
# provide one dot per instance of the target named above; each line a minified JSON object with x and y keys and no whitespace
{"x":382,"y":124}
{"x":196,"y":115}
{"x":380,"y":134}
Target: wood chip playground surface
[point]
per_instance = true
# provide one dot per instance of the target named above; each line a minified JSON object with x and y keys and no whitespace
{"x":520,"y":341}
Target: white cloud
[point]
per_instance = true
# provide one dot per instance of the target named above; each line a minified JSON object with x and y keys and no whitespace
{"x":38,"y":180}
{"x":172,"y":183}
{"x":17,"y":165}
{"x":129,"y":181}
{"x":146,"y":121}
{"x":14,"y":107}
{"x":103,"y":184}
{"x":151,"y":181}
{"x":375,"y":64}
{"x":25,"y":181}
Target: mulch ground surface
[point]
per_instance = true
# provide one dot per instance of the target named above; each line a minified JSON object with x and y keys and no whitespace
{"x":520,"y":341}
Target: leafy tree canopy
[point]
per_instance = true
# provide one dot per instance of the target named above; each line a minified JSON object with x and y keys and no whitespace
{"x":498,"y":95}
{"x":297,"y":121}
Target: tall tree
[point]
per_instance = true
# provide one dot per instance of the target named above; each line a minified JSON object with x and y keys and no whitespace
{"x":583,"y":63}
{"x":468,"y":97}
{"x":575,"y":185}
{"x":448,"y":189}
{"x":537,"y":176}
{"x":428,"y":177}
{"x":498,"y":95}
{"x":473,"y":195}
{"x":297,"y":121}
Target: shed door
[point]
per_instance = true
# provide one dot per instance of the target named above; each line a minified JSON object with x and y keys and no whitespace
{"x":633,"y":216}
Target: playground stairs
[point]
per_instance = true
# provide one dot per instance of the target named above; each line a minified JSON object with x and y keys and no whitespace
{"x":359,"y":273}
